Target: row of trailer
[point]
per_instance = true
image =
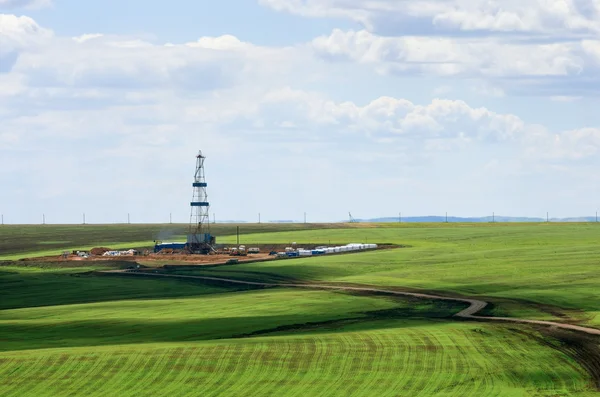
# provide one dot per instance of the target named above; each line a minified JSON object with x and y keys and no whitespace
{"x":130,"y":252}
{"x":300,"y":252}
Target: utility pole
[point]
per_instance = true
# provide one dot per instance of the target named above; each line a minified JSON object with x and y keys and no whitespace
{"x":84,"y":218}
{"x":214,"y":218}
{"x":305,"y":217}
{"x":446,"y":217}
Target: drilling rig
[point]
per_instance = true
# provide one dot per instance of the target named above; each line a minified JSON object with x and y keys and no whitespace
{"x":199,"y":239}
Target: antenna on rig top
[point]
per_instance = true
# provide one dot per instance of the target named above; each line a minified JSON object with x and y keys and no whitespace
{"x":199,"y":238}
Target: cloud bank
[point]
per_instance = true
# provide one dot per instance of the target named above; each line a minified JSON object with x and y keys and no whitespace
{"x":99,"y":113}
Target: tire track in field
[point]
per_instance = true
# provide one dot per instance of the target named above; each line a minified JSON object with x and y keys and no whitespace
{"x":475,"y":305}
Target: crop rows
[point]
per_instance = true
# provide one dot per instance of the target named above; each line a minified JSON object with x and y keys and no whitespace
{"x":398,"y":359}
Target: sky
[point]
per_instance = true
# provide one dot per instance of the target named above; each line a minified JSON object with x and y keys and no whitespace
{"x":469,"y":107}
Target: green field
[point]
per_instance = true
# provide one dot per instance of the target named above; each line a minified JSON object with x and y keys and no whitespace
{"x":545,"y":270}
{"x":389,"y":358}
{"x":71,"y":331}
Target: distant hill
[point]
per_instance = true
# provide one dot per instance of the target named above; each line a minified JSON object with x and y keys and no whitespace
{"x":485,"y":219}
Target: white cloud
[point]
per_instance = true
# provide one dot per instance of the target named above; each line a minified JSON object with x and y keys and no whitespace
{"x":88,"y":36}
{"x":442,"y":125}
{"x":551,"y":46}
{"x":17,"y":33}
{"x":567,"y":145}
{"x":390,"y":116}
{"x":225,"y":42}
{"x":559,"y":98}
{"x":97,"y":60}
{"x":456,"y":56}
{"x":543,"y":16}
{"x":550,"y":69}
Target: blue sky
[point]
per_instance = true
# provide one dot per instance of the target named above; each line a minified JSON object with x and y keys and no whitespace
{"x":184,"y":20}
{"x":425,"y":107}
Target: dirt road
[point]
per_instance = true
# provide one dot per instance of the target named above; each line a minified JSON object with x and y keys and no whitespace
{"x":470,"y":312}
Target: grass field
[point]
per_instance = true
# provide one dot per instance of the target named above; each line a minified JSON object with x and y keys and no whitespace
{"x":71,"y":331}
{"x":379,"y":358}
{"x":554,"y":266}
{"x":24,"y":287}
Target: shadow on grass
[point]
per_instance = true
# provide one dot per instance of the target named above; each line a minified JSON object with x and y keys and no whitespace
{"x":21,"y":335}
{"x":377,"y":319}
{"x":35,"y":289}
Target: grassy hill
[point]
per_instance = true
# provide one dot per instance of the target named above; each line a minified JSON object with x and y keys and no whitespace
{"x":77,"y":332}
{"x":539,"y":270}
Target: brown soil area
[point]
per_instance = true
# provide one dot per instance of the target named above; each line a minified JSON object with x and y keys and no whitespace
{"x":187,"y":259}
{"x":158,"y":258}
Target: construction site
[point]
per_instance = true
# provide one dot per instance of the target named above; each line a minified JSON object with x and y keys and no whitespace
{"x":201,"y":246}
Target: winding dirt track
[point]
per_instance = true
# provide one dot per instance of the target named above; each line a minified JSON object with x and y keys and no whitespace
{"x":468,"y":313}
